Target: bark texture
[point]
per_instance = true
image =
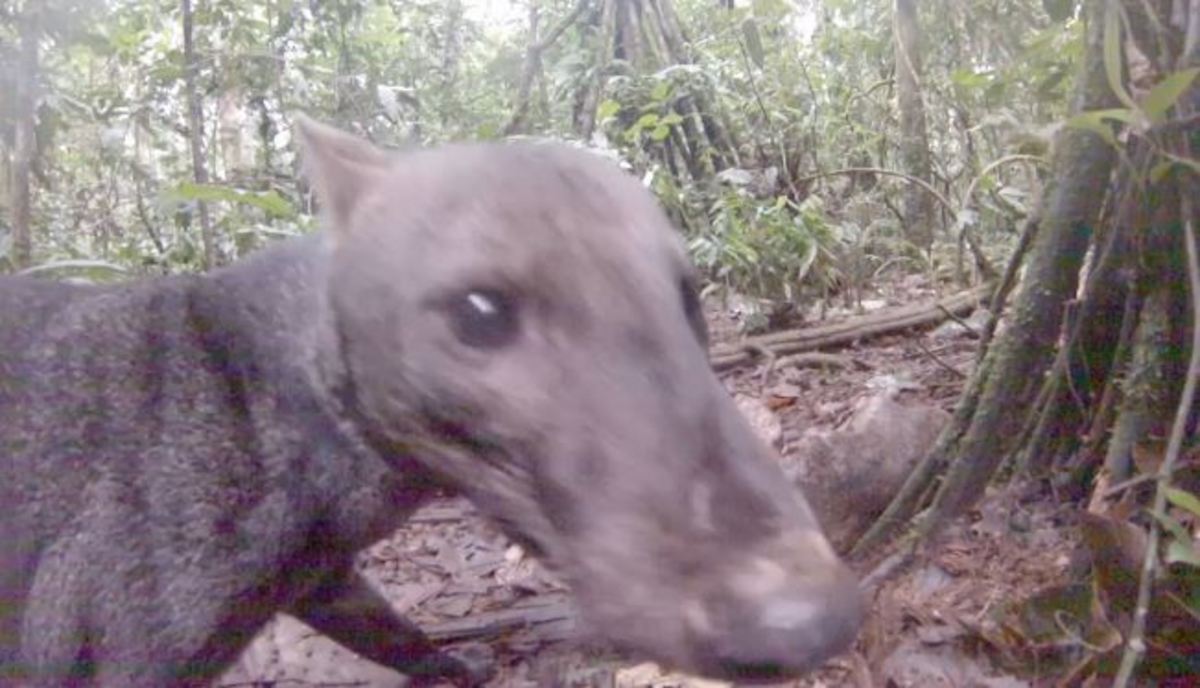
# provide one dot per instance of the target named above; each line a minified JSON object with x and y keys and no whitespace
{"x":196,"y":134}
{"x":914,"y":142}
{"x":25,"y":143}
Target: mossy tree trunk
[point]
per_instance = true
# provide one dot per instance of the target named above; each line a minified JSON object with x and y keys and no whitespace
{"x":992,"y":417}
{"x":1081,"y":382}
{"x":25,"y":136}
{"x":191,"y":67}
{"x":914,"y":141}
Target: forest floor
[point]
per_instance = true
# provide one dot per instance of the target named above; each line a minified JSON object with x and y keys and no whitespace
{"x":957,"y":616}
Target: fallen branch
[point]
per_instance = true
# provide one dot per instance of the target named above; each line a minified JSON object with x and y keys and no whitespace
{"x":546,"y":618}
{"x":847,"y":331}
{"x":816,"y":359}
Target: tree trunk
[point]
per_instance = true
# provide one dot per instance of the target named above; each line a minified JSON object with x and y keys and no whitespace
{"x":1083,"y":164}
{"x":627,"y":43}
{"x":678,"y":48}
{"x":648,"y":34}
{"x":1158,"y":357}
{"x":529,"y":70}
{"x":25,"y":143}
{"x":986,"y":427}
{"x":914,"y":144}
{"x":533,"y":62}
{"x":587,"y":97}
{"x":196,"y":134}
{"x":452,"y":50}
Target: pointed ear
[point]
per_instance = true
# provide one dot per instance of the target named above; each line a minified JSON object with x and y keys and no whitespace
{"x":340,"y":166}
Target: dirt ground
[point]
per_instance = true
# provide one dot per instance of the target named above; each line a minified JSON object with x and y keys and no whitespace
{"x":952,"y":619}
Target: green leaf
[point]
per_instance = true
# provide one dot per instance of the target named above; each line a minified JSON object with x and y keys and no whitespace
{"x":487,"y":131}
{"x":807,"y":260}
{"x":1119,"y":114}
{"x":671,"y":119}
{"x":661,"y":90}
{"x":167,"y":71}
{"x":74,"y":265}
{"x":270,"y":201}
{"x":1170,"y":525}
{"x":1112,"y":55}
{"x":969,"y":79}
{"x":1047,"y":88}
{"x":1180,"y":551}
{"x":646,"y":121}
{"x":607,"y":109}
{"x":1184,"y":500}
{"x":1193,"y":165}
{"x":754,"y":45}
{"x":1093,"y":122}
{"x":660,"y":133}
{"x":1166,"y":93}
{"x":1160,"y":170}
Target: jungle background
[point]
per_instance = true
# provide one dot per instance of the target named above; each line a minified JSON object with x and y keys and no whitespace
{"x":948,"y":249}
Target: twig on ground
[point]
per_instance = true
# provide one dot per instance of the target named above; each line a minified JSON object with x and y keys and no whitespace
{"x":1120,"y":487}
{"x":971,"y":331}
{"x":936,"y":359}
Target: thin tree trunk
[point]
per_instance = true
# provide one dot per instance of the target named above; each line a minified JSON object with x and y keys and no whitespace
{"x":587,"y":99}
{"x":196,"y":134}
{"x":533,"y":62}
{"x":627,"y":43}
{"x":988,"y":421}
{"x":529,"y":70}
{"x":700,"y":166}
{"x":656,"y":50}
{"x":1158,"y":352}
{"x":342,"y":97}
{"x":914,"y":143}
{"x":678,"y":48}
{"x":1082,"y":164}
{"x":25,"y":144}
{"x":452,"y":37}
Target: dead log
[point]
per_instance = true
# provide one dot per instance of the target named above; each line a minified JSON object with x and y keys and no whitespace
{"x":890,"y":321}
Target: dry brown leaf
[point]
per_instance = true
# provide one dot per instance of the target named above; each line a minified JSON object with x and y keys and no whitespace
{"x":1148,"y":455}
{"x":776,"y":402}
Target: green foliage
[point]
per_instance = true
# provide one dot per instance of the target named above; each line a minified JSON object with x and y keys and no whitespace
{"x":642,"y":108}
{"x":800,"y":87}
{"x":90,"y":270}
{"x":1166,"y":93}
{"x":1154,"y":109}
{"x":269,"y":201}
{"x":1181,"y":547}
{"x":761,"y":249}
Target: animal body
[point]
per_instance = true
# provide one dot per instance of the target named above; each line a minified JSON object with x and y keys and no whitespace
{"x":181,"y":458}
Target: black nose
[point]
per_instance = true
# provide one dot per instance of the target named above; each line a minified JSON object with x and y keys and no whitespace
{"x":783,"y":632}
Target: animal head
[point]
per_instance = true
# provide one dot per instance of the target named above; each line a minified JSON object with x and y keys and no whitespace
{"x":524,"y":320}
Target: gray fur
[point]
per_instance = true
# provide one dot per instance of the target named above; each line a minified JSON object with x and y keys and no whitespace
{"x":175,"y":470}
{"x":181,"y":458}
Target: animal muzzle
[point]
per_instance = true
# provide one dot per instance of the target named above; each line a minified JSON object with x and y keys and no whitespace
{"x":672,"y":521}
{"x":771,"y":618}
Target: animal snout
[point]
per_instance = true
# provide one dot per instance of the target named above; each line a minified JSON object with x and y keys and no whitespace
{"x":770,"y":621}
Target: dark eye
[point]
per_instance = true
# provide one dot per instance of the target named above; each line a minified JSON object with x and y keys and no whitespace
{"x":693,"y":310}
{"x":483,"y":318}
